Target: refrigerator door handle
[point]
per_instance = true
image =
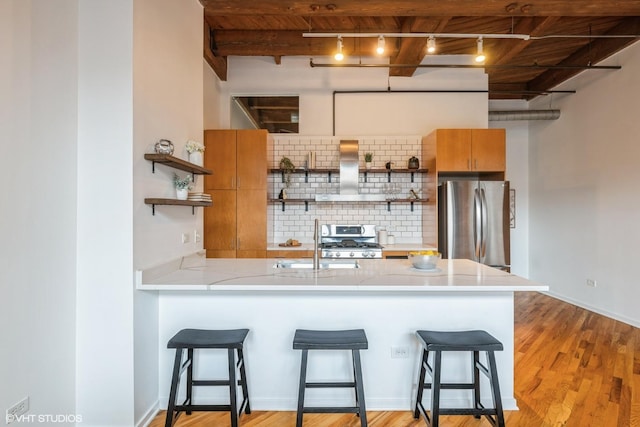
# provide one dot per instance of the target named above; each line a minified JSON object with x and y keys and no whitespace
{"x":485,"y":223}
{"x":477,"y":222}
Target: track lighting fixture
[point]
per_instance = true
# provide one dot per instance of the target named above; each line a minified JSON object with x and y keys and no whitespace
{"x":431,"y":44}
{"x":380,"y":48}
{"x":339,"y":56}
{"x":480,"y":55}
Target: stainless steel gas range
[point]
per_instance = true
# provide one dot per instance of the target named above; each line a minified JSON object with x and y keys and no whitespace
{"x":349,"y":241}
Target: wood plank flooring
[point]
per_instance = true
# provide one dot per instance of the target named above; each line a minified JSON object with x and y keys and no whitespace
{"x":573,"y":367}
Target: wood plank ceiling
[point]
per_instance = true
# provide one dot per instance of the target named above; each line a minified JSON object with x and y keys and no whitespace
{"x":566,"y":37}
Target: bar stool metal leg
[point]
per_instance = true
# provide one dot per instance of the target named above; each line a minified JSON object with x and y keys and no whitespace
{"x":243,"y":380}
{"x":301,"y":387}
{"x":435,"y":388}
{"x":232,"y":387}
{"x":475,"y":391}
{"x":175,"y":381}
{"x":359,"y":388}
{"x":495,"y":388}
{"x":421,"y":379}
{"x":189,"y":400}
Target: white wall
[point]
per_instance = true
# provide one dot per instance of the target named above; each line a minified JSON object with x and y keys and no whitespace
{"x":361,"y":114}
{"x":518,"y":176}
{"x":211,"y":97}
{"x":168,"y":93}
{"x":104,"y":332}
{"x":584,"y":179}
{"x":38,"y":106}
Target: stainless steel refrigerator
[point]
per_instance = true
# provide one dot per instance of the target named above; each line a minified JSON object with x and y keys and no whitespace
{"x":473,"y":221}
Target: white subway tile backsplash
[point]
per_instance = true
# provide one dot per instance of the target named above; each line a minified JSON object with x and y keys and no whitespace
{"x":296,"y":222}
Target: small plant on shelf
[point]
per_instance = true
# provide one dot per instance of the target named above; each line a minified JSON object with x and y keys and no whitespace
{"x":368,"y":158}
{"x":182,"y":183}
{"x":194,"y":147}
{"x":287,"y":167}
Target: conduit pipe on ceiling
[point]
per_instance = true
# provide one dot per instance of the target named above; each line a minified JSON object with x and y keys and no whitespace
{"x":496,"y":116}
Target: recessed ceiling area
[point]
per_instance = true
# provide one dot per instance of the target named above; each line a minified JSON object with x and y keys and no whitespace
{"x":277,"y":114}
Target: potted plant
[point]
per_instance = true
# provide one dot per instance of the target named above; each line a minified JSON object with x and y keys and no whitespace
{"x":195,"y":150}
{"x":368,"y":158}
{"x":183,"y":185}
{"x":287,"y":167}
{"x":413,"y":163}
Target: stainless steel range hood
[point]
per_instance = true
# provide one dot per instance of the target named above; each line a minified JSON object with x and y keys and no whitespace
{"x":349,"y":178}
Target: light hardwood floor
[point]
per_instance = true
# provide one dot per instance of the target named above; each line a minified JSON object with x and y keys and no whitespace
{"x":573,"y":367}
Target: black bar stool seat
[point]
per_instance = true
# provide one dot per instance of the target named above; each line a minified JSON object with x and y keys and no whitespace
{"x":232,"y":340}
{"x":354,"y":340}
{"x":471,"y":341}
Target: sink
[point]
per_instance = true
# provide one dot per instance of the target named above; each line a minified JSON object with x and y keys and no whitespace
{"x":308,"y":264}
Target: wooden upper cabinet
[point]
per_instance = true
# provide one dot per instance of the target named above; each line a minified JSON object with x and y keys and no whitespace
{"x":453,"y":149}
{"x":220,"y":157}
{"x":250,"y":167}
{"x":470,"y":150}
{"x":488,"y":150}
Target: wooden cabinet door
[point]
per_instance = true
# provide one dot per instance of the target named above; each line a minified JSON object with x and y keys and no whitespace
{"x":488,"y":150}
{"x":251,"y":160}
{"x":252,"y":222}
{"x":220,"y":157}
{"x":453,"y":150}
{"x":220,"y":224}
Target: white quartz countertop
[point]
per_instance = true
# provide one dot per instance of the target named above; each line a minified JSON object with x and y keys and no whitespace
{"x":196,"y":272}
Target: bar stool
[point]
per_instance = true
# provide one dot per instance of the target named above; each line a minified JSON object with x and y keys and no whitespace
{"x":191,"y":339}
{"x":471,"y":341}
{"x":354,"y":340}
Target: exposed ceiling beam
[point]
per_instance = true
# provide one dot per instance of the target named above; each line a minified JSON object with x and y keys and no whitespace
{"x":217,"y":63}
{"x":412,"y":51}
{"x":592,"y":53}
{"x":425,"y":7}
{"x":532,"y":26}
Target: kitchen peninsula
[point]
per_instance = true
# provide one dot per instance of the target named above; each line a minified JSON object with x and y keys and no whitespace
{"x":388,"y":298}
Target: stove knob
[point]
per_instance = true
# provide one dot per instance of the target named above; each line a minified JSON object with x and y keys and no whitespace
{"x":367,"y":254}
{"x":352,"y":254}
{"x":337,"y":254}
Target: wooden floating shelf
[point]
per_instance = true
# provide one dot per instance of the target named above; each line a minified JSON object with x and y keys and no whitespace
{"x":175,"y":202}
{"x":176,"y":163}
{"x":389,"y":202}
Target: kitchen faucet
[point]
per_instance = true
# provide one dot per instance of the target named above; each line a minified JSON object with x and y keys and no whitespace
{"x":316,"y":237}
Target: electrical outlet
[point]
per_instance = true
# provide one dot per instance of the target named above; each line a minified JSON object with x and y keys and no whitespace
{"x":196,"y":236}
{"x":185,"y":237}
{"x":16,"y":410}
{"x":592,"y":283}
{"x":399,"y":352}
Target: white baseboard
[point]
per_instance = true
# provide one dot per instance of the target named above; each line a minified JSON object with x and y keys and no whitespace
{"x":614,"y":316}
{"x":149,"y":415}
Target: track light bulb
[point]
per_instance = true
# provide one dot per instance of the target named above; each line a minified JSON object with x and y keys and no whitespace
{"x":339,"y":56}
{"x":380,"y":48}
{"x":480,"y":56}
{"x":431,"y":44}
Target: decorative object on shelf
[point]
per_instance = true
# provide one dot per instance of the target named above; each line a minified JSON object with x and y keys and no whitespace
{"x":283,"y":194}
{"x":183,"y":185}
{"x":388,"y":165}
{"x":287,"y":167}
{"x":414,"y":194}
{"x":368,"y":158}
{"x":413,"y":163}
{"x":164,"y":146}
{"x":195,"y":150}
